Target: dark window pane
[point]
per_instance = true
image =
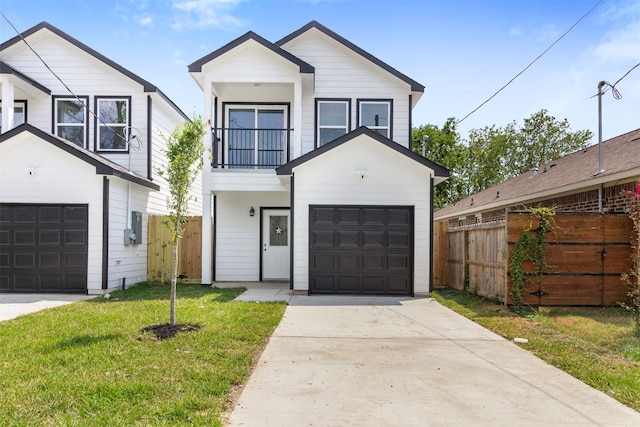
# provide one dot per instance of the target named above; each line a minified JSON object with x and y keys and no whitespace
{"x":112,"y":138}
{"x":332,"y":114}
{"x":112,"y":111}
{"x":374,"y":114}
{"x":74,"y":134}
{"x":328,"y":134}
{"x":278,"y":232}
{"x":70,"y":111}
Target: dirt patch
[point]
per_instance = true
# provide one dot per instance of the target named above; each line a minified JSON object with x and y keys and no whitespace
{"x":166,"y":330}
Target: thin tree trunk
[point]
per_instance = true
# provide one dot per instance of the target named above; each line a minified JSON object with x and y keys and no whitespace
{"x":174,"y":275}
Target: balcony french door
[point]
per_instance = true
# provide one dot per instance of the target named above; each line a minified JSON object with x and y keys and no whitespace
{"x":256,"y":137}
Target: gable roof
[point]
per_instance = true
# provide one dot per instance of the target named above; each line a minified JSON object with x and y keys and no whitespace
{"x":415,"y":86}
{"x":7,"y":69}
{"x":102,"y":165}
{"x":148,"y":87}
{"x":287,"y":168}
{"x":196,"y":66}
{"x":569,"y":173}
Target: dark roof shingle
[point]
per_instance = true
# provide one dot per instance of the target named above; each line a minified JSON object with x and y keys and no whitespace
{"x":576,"y":170}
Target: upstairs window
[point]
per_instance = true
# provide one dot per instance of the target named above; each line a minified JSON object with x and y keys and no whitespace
{"x":19,"y":113}
{"x":71,"y":119}
{"x":376,"y":115}
{"x":112,"y":123}
{"x":332,"y":118}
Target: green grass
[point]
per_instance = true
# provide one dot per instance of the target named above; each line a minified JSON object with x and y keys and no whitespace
{"x":88,"y":364}
{"x":599,"y":346}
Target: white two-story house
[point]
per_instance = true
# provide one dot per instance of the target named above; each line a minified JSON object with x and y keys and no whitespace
{"x":80,"y":146}
{"x":312,"y":180}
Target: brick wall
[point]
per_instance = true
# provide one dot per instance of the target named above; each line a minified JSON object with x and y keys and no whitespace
{"x":614,"y":199}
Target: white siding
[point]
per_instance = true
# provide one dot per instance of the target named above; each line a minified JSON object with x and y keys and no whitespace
{"x":390,"y":179}
{"x":85,"y":76}
{"x":60,"y":179}
{"x":126,"y":261}
{"x":238,"y":234}
{"x":341,"y":73}
{"x":251,"y":63}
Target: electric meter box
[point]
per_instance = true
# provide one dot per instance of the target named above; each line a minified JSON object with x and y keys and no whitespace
{"x":133,"y":235}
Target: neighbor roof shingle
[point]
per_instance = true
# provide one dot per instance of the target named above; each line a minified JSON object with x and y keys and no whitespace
{"x":576,"y":170}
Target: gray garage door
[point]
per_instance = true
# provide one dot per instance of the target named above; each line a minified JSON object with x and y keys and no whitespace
{"x":362,"y":250}
{"x":43,"y":248}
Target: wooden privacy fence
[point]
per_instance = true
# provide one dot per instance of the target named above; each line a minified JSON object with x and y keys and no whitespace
{"x":159,"y":254}
{"x":477,"y":259}
{"x":586,"y":254}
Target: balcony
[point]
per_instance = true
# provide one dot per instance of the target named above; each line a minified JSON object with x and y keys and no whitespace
{"x":242,"y":148}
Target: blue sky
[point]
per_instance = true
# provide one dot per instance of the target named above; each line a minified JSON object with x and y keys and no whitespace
{"x":462,"y":51}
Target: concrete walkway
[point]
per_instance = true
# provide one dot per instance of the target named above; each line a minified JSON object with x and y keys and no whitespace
{"x":14,"y":305}
{"x":358,"y":361}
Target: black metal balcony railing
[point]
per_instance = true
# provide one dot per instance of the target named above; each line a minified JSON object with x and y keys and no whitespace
{"x":250,"y":148}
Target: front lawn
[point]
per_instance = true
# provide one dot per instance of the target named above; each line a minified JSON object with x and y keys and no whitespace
{"x":88,"y":363}
{"x":596,"y":345}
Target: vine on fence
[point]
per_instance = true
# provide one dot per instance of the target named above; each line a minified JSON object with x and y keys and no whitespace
{"x":632,"y":277}
{"x":530,"y":247}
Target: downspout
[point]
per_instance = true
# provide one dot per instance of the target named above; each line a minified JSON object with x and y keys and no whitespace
{"x":291,"y":231}
{"x":105,"y":232}
{"x":149,"y":138}
{"x":431,"y":234}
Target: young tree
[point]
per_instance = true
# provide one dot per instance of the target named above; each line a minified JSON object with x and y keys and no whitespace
{"x":184,"y":161}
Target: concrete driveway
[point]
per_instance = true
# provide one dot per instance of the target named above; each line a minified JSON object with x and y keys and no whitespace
{"x":358,"y":361}
{"x":14,"y":305}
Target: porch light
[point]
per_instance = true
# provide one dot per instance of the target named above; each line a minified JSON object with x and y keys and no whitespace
{"x":252,"y":211}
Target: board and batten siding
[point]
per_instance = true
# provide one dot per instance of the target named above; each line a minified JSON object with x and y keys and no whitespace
{"x":60,"y":179}
{"x":335,"y":179}
{"x":238,"y":234}
{"x":341,"y":73}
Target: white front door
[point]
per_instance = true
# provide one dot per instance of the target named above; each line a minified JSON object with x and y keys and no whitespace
{"x":275,"y":244}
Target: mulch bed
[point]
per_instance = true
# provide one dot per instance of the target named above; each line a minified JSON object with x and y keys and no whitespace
{"x":166,"y":330}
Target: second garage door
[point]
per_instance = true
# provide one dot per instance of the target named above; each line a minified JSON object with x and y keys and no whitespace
{"x":362,"y":250}
{"x":43,"y":248}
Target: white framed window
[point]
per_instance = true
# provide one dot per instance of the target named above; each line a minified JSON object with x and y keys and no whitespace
{"x":70,"y":119}
{"x":112,"y":123}
{"x":376,"y":114}
{"x":332,"y":118}
{"x":19,"y":113}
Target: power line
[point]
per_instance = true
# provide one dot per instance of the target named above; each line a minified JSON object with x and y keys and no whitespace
{"x":77,"y":98}
{"x":531,"y":63}
{"x":614,"y":90}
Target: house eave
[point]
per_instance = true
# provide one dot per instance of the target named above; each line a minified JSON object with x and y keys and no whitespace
{"x":591,"y":184}
{"x":415,"y":86}
{"x":147,"y":87}
{"x":102,"y":165}
{"x":9,"y":70}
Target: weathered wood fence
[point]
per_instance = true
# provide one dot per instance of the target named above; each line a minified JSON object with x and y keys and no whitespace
{"x":586,"y":253}
{"x":159,"y":254}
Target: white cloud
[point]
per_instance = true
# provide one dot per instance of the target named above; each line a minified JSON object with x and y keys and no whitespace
{"x":622,"y":42}
{"x":515,"y":31}
{"x":205,"y":14}
{"x":546,"y":33}
{"x":146,"y":21}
